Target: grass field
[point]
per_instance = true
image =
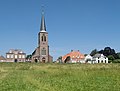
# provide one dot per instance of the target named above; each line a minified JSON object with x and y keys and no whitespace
{"x":59,"y":77}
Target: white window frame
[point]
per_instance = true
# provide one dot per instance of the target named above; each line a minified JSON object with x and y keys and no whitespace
{"x":16,"y":56}
{"x":8,"y":56}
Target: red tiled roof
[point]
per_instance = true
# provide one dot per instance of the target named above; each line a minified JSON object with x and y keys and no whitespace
{"x":74,"y":55}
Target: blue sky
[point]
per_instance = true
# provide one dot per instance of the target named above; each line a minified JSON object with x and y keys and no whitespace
{"x":72,"y":24}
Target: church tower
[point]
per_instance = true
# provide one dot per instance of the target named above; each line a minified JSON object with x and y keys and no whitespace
{"x":41,"y":53}
{"x":43,"y":42}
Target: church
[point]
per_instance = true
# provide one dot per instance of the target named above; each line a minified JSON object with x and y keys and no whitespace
{"x":41,"y":53}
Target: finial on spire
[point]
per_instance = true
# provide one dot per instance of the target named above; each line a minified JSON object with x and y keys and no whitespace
{"x":42,"y":9}
{"x":43,"y":26}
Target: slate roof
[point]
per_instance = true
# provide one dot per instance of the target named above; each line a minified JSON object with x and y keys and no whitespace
{"x":98,"y":55}
{"x":2,"y":58}
{"x":15,"y":51}
{"x":43,"y":26}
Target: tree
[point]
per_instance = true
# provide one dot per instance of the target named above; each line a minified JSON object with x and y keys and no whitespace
{"x":107,"y":51}
{"x":60,"y":59}
{"x":111,"y":57}
{"x":94,"y":52}
{"x":101,"y":52}
{"x":118,"y":54}
{"x":29,"y":56}
{"x":85,"y":54}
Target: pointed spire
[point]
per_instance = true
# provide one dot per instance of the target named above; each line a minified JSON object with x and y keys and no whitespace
{"x":43,"y":26}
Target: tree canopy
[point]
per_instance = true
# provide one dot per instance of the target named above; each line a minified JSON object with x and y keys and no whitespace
{"x":108,"y":52}
{"x":94,"y":52}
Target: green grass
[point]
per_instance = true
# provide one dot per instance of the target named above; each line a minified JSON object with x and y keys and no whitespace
{"x":59,"y":77}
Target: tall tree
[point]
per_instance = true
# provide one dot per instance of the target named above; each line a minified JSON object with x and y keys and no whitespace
{"x":60,"y":59}
{"x":94,"y":52}
{"x":111,"y":57}
{"x":29,"y":56}
{"x":118,"y":54}
{"x":107,"y":51}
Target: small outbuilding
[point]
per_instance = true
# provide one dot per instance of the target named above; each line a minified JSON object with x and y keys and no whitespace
{"x":2,"y":59}
{"x":89,"y":59}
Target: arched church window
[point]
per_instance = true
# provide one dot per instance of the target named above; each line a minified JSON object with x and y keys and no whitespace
{"x":44,"y":38}
{"x":43,"y":51}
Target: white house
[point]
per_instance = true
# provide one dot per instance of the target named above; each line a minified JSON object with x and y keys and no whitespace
{"x":100,"y":58}
{"x":88,"y":59}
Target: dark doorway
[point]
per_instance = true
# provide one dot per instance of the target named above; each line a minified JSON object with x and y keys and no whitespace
{"x":43,"y":60}
{"x":67,"y":59}
{"x":102,"y":61}
{"x":98,"y":61}
{"x":36,"y":60}
{"x":16,"y":60}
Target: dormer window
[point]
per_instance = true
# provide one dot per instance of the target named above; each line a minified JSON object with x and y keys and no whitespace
{"x":10,"y":51}
{"x":21,"y":52}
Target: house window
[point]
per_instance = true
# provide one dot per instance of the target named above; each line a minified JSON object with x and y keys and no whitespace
{"x":15,"y":56}
{"x":23,"y":56}
{"x":43,"y":51}
{"x":8,"y":56}
{"x":19,"y":56}
{"x":11,"y":56}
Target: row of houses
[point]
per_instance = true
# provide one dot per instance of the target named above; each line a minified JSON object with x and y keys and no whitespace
{"x":72,"y":57}
{"x":77,"y":57}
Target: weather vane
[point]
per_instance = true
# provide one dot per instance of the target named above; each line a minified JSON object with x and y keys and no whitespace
{"x":42,"y":9}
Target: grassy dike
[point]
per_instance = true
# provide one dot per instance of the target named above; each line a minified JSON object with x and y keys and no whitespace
{"x":59,"y":77}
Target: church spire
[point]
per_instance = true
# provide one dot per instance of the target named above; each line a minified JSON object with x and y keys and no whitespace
{"x":43,"y":26}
